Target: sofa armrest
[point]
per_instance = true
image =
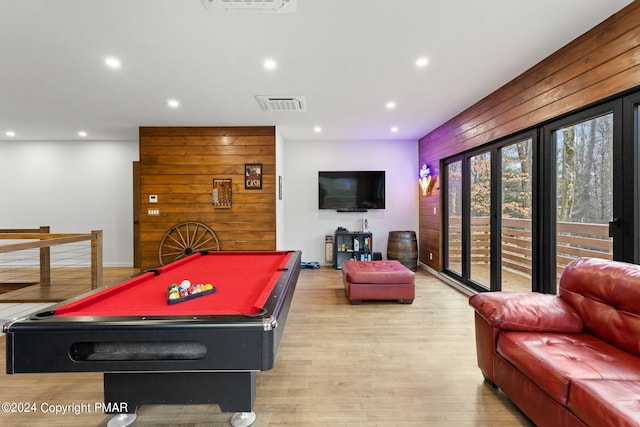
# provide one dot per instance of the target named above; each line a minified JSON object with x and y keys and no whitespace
{"x":527,"y":312}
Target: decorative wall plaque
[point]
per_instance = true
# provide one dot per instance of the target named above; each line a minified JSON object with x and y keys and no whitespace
{"x":221,"y":194}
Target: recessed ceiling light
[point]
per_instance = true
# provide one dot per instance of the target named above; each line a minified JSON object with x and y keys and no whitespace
{"x":270,"y":64}
{"x":82,"y":133}
{"x":317,"y":129}
{"x":252,"y":6}
{"x":422,"y":62}
{"x":391,"y":105}
{"x":112,"y":62}
{"x":10,"y":133}
{"x":173,"y":103}
{"x":394,"y":129}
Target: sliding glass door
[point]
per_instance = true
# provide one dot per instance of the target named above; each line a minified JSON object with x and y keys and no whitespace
{"x":479,"y":213}
{"x":630,"y":217}
{"x":467,"y":253}
{"x":584,"y":212}
{"x":516,"y":215}
{"x":518,"y":211}
{"x":584,"y":190}
{"x":453,"y":249}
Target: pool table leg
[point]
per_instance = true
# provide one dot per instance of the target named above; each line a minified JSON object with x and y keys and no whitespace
{"x":243,"y":419}
{"x":122,"y":420}
{"x":234,"y":392}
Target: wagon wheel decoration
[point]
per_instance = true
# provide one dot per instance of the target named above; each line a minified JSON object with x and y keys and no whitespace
{"x":186,"y":238}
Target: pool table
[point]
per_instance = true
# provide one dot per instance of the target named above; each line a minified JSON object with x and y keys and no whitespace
{"x":202,"y":350}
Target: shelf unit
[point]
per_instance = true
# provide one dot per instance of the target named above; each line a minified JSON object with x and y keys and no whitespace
{"x":351,"y":246}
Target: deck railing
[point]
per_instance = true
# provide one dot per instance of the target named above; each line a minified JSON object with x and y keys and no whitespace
{"x":43,"y":240}
{"x":573,"y":240}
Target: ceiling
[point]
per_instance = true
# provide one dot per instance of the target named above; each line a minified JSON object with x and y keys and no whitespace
{"x":348,"y":58}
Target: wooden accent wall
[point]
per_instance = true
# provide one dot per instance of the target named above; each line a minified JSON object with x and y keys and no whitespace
{"x":601,"y":63}
{"x":178,"y":164}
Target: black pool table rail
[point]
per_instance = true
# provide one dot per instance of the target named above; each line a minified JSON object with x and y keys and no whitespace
{"x":225,"y":343}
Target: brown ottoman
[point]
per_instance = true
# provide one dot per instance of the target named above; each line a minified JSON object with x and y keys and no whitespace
{"x":378,"y":280}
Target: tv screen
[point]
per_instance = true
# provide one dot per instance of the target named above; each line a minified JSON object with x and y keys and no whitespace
{"x":351,"y":190}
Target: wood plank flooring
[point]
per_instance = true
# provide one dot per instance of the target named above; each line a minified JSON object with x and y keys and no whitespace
{"x":65,"y":283}
{"x":376,"y":364}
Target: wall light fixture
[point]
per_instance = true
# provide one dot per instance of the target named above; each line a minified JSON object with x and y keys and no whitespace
{"x":425,"y":178}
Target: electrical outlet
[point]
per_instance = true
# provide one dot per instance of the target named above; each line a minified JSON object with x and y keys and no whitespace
{"x":435,"y":211}
{"x":430,"y":256}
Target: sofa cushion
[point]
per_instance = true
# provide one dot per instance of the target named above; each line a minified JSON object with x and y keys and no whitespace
{"x":526,"y":311}
{"x":606,"y":402}
{"x":606,"y":295}
{"x":552,"y":360}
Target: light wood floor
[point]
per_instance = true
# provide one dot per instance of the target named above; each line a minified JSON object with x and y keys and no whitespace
{"x":65,"y":283}
{"x":376,"y":364}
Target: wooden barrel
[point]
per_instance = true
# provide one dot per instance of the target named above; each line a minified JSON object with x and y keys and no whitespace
{"x":403,"y":246}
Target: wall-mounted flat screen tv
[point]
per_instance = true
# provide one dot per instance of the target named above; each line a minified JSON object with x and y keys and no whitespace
{"x":351,"y":190}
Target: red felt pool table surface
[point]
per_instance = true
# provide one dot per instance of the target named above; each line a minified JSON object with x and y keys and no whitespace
{"x":243,"y":282}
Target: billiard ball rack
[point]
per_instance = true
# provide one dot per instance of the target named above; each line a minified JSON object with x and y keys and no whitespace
{"x":177,"y":293}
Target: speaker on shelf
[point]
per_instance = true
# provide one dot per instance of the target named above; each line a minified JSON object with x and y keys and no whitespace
{"x":328,"y":249}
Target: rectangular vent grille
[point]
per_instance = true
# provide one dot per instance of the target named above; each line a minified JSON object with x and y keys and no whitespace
{"x":282,"y":103}
{"x":282,"y":6}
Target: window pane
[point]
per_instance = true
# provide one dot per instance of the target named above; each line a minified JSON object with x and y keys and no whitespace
{"x":480,"y":174}
{"x":454,"y":210}
{"x":516,"y":232}
{"x":584,"y":192}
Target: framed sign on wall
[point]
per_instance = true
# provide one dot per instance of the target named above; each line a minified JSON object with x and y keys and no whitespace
{"x":253,"y":176}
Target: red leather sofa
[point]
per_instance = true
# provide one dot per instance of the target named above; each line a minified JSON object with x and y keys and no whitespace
{"x":571,"y":359}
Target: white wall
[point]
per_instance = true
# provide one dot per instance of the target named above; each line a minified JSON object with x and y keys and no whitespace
{"x":79,"y":186}
{"x":72,"y":186}
{"x":305,"y":225}
{"x":279,"y":203}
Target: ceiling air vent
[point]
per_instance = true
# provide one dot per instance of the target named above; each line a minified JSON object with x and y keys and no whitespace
{"x":272,"y":6}
{"x":282,"y":103}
